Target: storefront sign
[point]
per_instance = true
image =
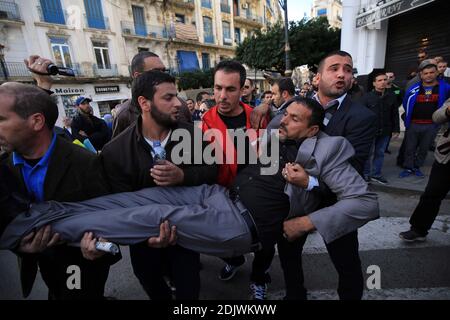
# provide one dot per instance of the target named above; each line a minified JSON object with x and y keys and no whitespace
{"x":69,"y":91}
{"x":386,"y":9}
{"x":107,"y":89}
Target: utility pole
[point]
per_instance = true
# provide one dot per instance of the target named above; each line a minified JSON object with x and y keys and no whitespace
{"x":287,"y":48}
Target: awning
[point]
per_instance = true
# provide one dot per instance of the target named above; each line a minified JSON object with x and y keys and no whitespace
{"x":187,"y":61}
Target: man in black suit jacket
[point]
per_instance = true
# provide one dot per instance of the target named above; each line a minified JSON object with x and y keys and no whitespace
{"x":42,"y":166}
{"x":346,"y":118}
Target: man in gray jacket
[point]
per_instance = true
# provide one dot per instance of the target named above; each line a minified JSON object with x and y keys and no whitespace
{"x":250,"y":214}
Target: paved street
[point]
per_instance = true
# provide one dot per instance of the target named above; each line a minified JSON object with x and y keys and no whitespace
{"x":408,"y":271}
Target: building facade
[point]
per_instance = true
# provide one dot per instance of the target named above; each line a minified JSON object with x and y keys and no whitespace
{"x":331,"y":9}
{"x":98,"y":38}
{"x":388,"y":34}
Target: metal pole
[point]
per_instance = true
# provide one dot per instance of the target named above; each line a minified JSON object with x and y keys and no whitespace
{"x":287,"y":48}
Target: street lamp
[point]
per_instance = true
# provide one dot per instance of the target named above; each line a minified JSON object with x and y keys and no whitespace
{"x":2,"y":62}
{"x":287,"y":48}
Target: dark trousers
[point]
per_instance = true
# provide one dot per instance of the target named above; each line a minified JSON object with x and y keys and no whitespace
{"x":344,"y":253}
{"x":437,"y":188}
{"x":418,"y":141}
{"x":54,"y":265}
{"x":150,"y":265}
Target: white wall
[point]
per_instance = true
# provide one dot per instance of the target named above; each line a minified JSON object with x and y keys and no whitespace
{"x":367,"y":45}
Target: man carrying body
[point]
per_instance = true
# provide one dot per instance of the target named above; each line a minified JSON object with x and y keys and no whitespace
{"x":43,"y":167}
{"x":129,"y":163}
{"x":255,"y":207}
{"x":346,"y":118}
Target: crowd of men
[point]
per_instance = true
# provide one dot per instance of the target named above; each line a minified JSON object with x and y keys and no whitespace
{"x":329,"y":195}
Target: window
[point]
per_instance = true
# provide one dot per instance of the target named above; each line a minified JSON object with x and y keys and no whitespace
{"x":226,"y":33}
{"x":208,"y":30}
{"x":205,"y":61}
{"x":94,"y":14}
{"x":61,"y":52}
{"x":224,"y":6}
{"x":206,"y":4}
{"x":180,"y":18}
{"x":139,"y":21}
{"x":52,"y":11}
{"x":321,"y":12}
{"x":102,"y":55}
{"x":237,"y":35}
{"x":187,"y":61}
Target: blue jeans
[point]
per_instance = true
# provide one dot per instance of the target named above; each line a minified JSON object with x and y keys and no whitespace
{"x":376,"y":158}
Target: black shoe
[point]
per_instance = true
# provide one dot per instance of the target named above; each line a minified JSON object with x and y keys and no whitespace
{"x":380,"y":179}
{"x":228,"y":272}
{"x":411,"y":236}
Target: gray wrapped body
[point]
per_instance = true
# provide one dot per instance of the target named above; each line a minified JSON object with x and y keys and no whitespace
{"x":207,"y":221}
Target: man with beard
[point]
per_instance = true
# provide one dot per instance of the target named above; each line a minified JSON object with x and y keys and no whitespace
{"x":129,"y":163}
{"x":351,"y":120}
{"x":87,"y":126}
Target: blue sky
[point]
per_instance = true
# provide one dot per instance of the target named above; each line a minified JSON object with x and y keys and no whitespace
{"x":296,"y":8}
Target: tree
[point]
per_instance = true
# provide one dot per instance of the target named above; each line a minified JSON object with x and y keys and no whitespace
{"x":309,"y":42}
{"x":195,"y":80}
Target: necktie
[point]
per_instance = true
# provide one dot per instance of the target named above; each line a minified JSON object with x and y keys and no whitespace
{"x":329,"y":112}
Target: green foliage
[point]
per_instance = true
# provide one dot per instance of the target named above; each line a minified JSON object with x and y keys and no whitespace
{"x":309,"y":42}
{"x":195,"y":80}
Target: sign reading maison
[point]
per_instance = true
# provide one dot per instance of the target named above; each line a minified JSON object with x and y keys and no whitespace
{"x":69,"y":91}
{"x":107,"y":89}
{"x":386,"y":9}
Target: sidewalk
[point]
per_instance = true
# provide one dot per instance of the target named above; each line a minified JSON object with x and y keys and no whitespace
{"x":408,"y":185}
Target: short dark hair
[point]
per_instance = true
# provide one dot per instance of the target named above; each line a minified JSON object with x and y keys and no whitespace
{"x":263,"y":96}
{"x":333,"y":53}
{"x":317,"y":111}
{"x":286,"y":84}
{"x":231,"y":66}
{"x":29,"y":99}
{"x":190,"y":99}
{"x":137,"y":63}
{"x":200,"y":95}
{"x":145,"y":85}
{"x":377,"y":74}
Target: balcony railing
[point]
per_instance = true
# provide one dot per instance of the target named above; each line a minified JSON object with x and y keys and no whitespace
{"x":207,"y":4}
{"x":132,"y":29}
{"x":9,"y":11}
{"x":184,"y":3}
{"x":108,"y":71}
{"x":209,"y":39}
{"x":14,"y":70}
{"x":227,"y":41}
{"x":49,"y":16}
{"x":224,"y":7}
{"x":254,"y":18}
{"x":96,"y":22}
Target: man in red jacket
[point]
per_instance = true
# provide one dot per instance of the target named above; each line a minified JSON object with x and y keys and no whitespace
{"x":230,"y":114}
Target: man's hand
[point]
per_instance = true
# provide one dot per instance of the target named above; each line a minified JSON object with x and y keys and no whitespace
{"x":36,"y":242}
{"x":82,"y":133}
{"x":37,"y":64}
{"x":296,"y":175}
{"x":87,"y":246}
{"x":297,"y":227}
{"x":395,"y":135}
{"x":167,"y":236}
{"x":166,"y":174}
{"x":258,"y":114}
